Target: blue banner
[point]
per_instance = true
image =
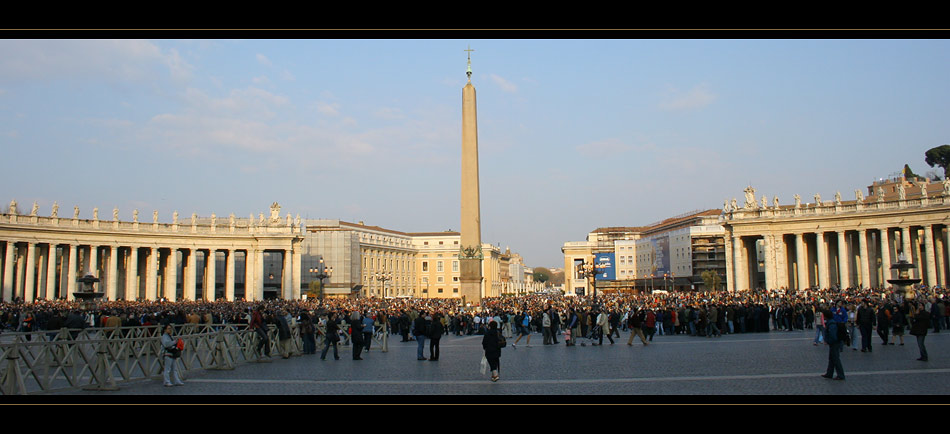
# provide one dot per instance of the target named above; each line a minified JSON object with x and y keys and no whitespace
{"x":605,"y":266}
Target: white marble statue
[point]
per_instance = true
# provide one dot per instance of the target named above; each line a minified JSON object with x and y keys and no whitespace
{"x":798,"y":201}
{"x":214,"y":219}
{"x":231,"y":220}
{"x":297,"y":221}
{"x":274,"y":213}
{"x":55,"y":212}
{"x":818,"y":199}
{"x":838,"y":198}
{"x":261,"y":220}
{"x":946,"y":186}
{"x":923,"y":190}
{"x":765,"y":202}
{"x":175,"y":218}
{"x":115,"y":214}
{"x":858,"y":195}
{"x":155,"y":216}
{"x":95,"y":213}
{"x":775,"y":202}
{"x":725,"y":206}
{"x":734,"y":205}
{"x":194,"y":218}
{"x":289,"y":220}
{"x":13,"y":207}
{"x":76,"y":212}
{"x":35,"y":209}
{"x":135,"y":216}
{"x":749,"y":197}
{"x":901,"y":194}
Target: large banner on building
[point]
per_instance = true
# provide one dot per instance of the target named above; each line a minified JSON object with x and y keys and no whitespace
{"x":605,"y":264}
{"x":661,"y":255}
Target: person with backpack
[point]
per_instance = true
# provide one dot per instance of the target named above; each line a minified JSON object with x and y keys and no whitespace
{"x":523,"y":330}
{"x":833,"y":336}
{"x":171,"y":353}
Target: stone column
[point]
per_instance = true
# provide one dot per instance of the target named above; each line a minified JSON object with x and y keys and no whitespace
{"x":739,"y":283}
{"x":151,"y":284}
{"x":768,"y":245}
{"x":210,"y":268}
{"x":51,"y":272}
{"x":864,"y":263}
{"x":286,"y":290}
{"x":801,"y":257}
{"x":229,"y":276}
{"x":8,"y":271}
{"x":259,"y":275}
{"x":824,"y":280}
{"x":295,"y":277}
{"x":40,"y":273}
{"x":730,"y":265}
{"x":94,"y":260}
{"x":189,"y":292}
{"x":171,"y":275}
{"x":885,"y":257}
{"x":844,"y":269}
{"x":132,"y":274}
{"x":30,"y":276}
{"x":71,"y":274}
{"x":929,"y":255}
{"x":249,"y":283}
{"x":905,"y":249}
{"x":112,"y":288}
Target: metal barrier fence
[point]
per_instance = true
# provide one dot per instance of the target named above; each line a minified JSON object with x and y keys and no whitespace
{"x":104,"y":358}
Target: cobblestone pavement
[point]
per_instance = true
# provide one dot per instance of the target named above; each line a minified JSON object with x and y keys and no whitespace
{"x":776,"y":363}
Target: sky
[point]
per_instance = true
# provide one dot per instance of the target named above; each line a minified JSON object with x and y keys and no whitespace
{"x":573,"y":134}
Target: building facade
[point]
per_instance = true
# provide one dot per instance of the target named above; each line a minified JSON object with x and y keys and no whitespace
{"x":839,"y":243}
{"x":379,"y":262}
{"x":196,"y":259}
{"x":670,"y":254}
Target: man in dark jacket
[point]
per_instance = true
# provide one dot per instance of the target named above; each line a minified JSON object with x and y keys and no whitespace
{"x":420,"y":329}
{"x":921,"y":322}
{"x":865,"y":319}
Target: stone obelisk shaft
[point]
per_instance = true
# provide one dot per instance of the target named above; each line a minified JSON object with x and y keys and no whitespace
{"x":470,"y":254}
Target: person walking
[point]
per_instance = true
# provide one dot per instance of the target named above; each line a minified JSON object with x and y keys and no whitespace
{"x":356,"y":334}
{"x":367,"y":329}
{"x":420,"y":328}
{"x":171,"y":354}
{"x":921,"y":323}
{"x":524,"y":329}
{"x":635,"y":324}
{"x":258,"y":326}
{"x":833,"y":337}
{"x":331,"y":337}
{"x":490,"y":343}
{"x":898,"y":322}
{"x":435,"y":334}
{"x":865,"y":319}
{"x":603,"y":328}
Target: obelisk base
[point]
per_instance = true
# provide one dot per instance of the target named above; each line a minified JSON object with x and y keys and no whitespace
{"x":470,"y":277}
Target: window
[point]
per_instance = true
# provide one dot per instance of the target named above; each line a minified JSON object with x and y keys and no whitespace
{"x":440,"y":279}
{"x":455,"y":278}
{"x":425,"y":265}
{"x":440,"y":290}
{"x":455,"y":266}
{"x":455,"y":290}
{"x":439,"y":267}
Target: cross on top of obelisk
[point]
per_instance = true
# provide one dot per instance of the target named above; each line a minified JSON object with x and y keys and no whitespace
{"x":469,"y":71}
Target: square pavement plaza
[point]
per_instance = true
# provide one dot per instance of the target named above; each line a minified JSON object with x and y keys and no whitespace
{"x":774,"y":363}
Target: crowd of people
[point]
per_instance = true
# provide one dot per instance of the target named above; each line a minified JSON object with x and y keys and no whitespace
{"x":588,"y":319}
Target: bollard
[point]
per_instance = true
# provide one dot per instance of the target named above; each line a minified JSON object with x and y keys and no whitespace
{"x":12,"y":381}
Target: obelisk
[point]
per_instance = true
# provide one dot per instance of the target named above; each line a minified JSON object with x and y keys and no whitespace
{"x":470,"y":249}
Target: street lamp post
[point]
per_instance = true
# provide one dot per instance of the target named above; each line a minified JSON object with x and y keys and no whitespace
{"x":590,"y":270}
{"x":383,"y":277}
{"x":321,"y":272}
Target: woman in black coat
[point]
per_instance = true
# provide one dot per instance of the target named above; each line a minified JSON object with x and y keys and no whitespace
{"x":492,"y":350}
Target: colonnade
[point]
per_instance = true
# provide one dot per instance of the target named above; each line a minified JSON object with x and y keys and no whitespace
{"x":33,"y":269}
{"x":857,"y":256}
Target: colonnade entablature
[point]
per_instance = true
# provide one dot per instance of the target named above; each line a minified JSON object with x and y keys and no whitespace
{"x":837,"y":244}
{"x":42,"y":256}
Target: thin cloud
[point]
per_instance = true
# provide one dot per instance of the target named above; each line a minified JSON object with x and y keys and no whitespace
{"x":505,"y":85}
{"x":696,"y":98}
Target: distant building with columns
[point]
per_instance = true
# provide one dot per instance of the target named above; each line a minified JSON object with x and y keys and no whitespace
{"x":195,"y":258}
{"x":839,"y":243}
